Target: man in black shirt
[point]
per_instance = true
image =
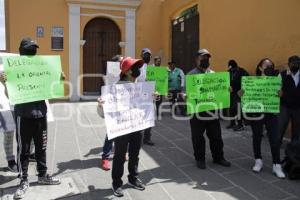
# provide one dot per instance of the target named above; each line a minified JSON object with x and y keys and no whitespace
{"x":31,"y":124}
{"x":290,"y":99}
{"x":236,"y":74}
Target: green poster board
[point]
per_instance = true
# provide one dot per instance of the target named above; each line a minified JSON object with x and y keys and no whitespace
{"x":33,"y":78}
{"x":261,"y":94}
{"x":207,"y":92}
{"x":160,"y":76}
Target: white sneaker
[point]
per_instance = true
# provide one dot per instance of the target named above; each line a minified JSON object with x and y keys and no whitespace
{"x":21,"y":191}
{"x":258,"y":165}
{"x":277,"y":170}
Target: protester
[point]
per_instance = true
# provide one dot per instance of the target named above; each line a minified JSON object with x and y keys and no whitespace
{"x":146,"y":56}
{"x":130,"y":70}
{"x":210,"y":125}
{"x":236,"y":74}
{"x":31,"y":119}
{"x":6,"y":120}
{"x":290,"y":100}
{"x":159,"y":98}
{"x":176,"y":84}
{"x":108,"y":144}
{"x":270,"y":121}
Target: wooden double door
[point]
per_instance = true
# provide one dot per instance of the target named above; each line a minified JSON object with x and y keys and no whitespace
{"x":102,"y":38}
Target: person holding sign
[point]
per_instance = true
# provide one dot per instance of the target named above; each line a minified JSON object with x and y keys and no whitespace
{"x":290,"y":99}
{"x":204,"y":122}
{"x":130,"y":70}
{"x":270,"y":120}
{"x":7,"y":125}
{"x":176,"y":84}
{"x":160,"y":76}
{"x":159,"y":98}
{"x":108,"y":144}
{"x":31,"y":119}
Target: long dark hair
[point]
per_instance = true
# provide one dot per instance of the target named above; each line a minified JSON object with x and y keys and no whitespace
{"x":258,"y":72}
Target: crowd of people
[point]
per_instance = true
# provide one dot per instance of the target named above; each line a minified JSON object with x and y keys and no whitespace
{"x":31,"y":120}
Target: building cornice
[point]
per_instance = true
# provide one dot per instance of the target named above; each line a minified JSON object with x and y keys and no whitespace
{"x":131,"y":3}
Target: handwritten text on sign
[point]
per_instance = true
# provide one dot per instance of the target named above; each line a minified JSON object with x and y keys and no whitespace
{"x":160,"y":76}
{"x":128,"y":108}
{"x":207,"y":92}
{"x":33,"y":78}
{"x":261,"y":94}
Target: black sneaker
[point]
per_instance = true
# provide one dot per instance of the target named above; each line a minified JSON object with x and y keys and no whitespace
{"x":137,"y":184}
{"x":12,"y":166}
{"x":21,"y":191}
{"x":32,"y":158}
{"x":201,"y":164}
{"x":48,"y":180}
{"x":118,"y":192}
{"x":149,"y":142}
{"x":222,"y":162}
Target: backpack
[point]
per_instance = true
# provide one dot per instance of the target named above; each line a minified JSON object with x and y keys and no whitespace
{"x":291,"y":163}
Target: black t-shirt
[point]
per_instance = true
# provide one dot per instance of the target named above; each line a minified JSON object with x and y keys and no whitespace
{"x":236,"y":78}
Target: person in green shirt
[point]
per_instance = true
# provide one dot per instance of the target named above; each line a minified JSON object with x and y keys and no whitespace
{"x":176,"y":84}
{"x":159,"y":98}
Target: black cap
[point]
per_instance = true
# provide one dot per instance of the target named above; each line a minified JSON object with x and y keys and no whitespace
{"x":27,"y":43}
{"x":294,"y":59}
{"x":203,"y":52}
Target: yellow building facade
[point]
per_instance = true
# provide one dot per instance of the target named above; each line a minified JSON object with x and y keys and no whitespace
{"x":86,"y":33}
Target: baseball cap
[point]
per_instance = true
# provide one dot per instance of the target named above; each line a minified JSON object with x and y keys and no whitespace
{"x":203,"y":52}
{"x":28,"y":42}
{"x":146,"y":50}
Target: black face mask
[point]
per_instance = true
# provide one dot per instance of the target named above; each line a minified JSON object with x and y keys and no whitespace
{"x":269,"y":71}
{"x":147,"y":59}
{"x":135,"y":72}
{"x":27,"y":52}
{"x":204,"y":63}
{"x":294,"y":68}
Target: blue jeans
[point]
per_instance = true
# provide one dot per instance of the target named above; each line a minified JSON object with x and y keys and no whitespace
{"x":107,"y":148}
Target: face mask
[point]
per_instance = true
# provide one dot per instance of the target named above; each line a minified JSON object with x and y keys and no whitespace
{"x":204,"y":63}
{"x":269,"y":71}
{"x":294,"y":68}
{"x":147,"y":59}
{"x":135,"y":72}
{"x":28,"y":52}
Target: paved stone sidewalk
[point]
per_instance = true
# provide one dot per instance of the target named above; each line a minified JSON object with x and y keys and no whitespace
{"x":168,"y":169}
